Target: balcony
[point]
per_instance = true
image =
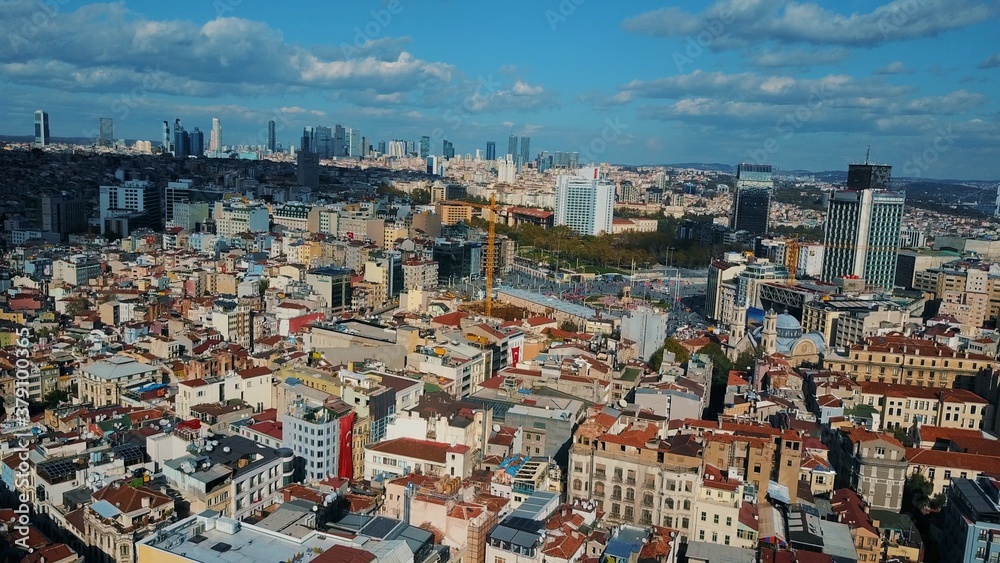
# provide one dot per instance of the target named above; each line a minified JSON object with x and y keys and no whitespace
{"x":647,"y":501}
{"x":616,"y":496}
{"x":617,"y":478}
{"x":600,"y":474}
{"x":630,"y":480}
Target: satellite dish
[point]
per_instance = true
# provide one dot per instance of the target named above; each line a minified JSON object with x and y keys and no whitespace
{"x":496,"y":427}
{"x":622,"y":403}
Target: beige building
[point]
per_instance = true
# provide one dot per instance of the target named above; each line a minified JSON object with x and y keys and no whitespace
{"x":965,"y":287}
{"x":900,"y":406}
{"x":103,"y":383}
{"x":940,"y":467}
{"x":848,"y":321}
{"x":452,"y":212}
{"x":717,"y":509}
{"x":121,"y":514}
{"x":873,"y":464}
{"x":633,"y":474}
{"x":911,"y":361}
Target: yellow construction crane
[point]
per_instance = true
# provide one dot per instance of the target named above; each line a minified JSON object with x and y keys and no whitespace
{"x":792,"y":257}
{"x":491,"y":240}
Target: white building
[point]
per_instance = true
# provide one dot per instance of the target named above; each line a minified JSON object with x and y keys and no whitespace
{"x":402,"y":456}
{"x":235,"y":216}
{"x":76,"y":270}
{"x":585,"y":202}
{"x":313,"y":433}
{"x":252,"y":386}
{"x":647,"y":327}
{"x":133,"y":204}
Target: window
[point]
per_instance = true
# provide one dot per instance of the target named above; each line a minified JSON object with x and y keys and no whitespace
{"x":704,"y":517}
{"x":715,"y":518}
{"x":729,"y":522}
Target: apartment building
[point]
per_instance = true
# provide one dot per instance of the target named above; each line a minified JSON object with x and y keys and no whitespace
{"x":402,"y":456}
{"x":104,"y":382}
{"x":717,"y":509}
{"x":252,"y":386}
{"x":633,"y":474}
{"x":900,"y":406}
{"x":844,"y":322}
{"x":913,"y":361}
{"x":120,"y":514}
{"x":873,"y":464}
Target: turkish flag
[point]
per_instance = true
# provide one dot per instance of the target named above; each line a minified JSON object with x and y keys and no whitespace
{"x":515,"y":355}
{"x":346,"y":469}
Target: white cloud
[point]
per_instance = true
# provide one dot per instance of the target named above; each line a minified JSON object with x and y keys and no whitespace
{"x":895,"y":67}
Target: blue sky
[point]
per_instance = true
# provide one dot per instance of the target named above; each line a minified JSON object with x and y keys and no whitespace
{"x":803,"y":85}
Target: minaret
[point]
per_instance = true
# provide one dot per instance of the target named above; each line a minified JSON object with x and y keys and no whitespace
{"x":769,"y":336}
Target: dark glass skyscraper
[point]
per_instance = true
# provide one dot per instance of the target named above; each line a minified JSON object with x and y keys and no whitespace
{"x":752,"y":199}
{"x":491,"y":150}
{"x":425,"y":146}
{"x":512,"y":146}
{"x":41,"y":128}
{"x":525,"y":152}
{"x":197,"y":142}
{"x":447,"y":149}
{"x":106,"y":136}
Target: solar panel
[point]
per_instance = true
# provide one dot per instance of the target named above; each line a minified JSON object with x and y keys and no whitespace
{"x":380,"y":527}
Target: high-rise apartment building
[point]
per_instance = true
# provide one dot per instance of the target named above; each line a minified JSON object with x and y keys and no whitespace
{"x":585,"y":202}
{"x":862,"y":230}
{"x":63,"y":214}
{"x":308,"y":169}
{"x":491,"y":151}
{"x":270,"y":136}
{"x":215,"y":142}
{"x":106,"y":135}
{"x":425,"y":146}
{"x":41,"y":129}
{"x":447,"y":149}
{"x":752,"y":199}
{"x":167,"y":139}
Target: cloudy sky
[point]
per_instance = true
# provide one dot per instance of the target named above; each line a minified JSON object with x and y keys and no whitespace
{"x":804,"y":85}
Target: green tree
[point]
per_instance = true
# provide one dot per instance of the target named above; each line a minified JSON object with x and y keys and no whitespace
{"x":721,"y":365}
{"x":681,"y":354}
{"x":938,"y":502}
{"x":53,"y":398}
{"x":75,"y":307}
{"x":568,"y":326}
{"x":656,"y":359}
{"x":420,"y":196}
{"x":917,"y":491}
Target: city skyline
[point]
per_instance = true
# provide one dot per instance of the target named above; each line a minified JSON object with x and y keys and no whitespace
{"x":801,"y":87}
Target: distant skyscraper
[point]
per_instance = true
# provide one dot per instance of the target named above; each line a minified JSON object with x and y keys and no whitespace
{"x":432,"y":165}
{"x":862,"y":228}
{"x":525,"y":151}
{"x":323,"y":142}
{"x":41,"y":129}
{"x":491,"y":150}
{"x":585,"y":202}
{"x":752,"y":199}
{"x":167,"y":142}
{"x":447,"y":149}
{"x":308,"y":140}
{"x":381,"y":147}
{"x":365,"y":146}
{"x":425,"y":146}
{"x":354,"y":143}
{"x":197,"y":143}
{"x":397,"y":148}
{"x":339,"y":140}
{"x":182,"y":141}
{"x":271,"y":145}
{"x":215,"y":143}
{"x":106,"y":136}
{"x":512,"y":147}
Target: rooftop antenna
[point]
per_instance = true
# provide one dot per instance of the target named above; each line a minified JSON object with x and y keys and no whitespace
{"x":868,"y":153}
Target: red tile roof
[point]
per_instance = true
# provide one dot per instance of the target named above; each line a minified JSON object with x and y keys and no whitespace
{"x":956,"y":460}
